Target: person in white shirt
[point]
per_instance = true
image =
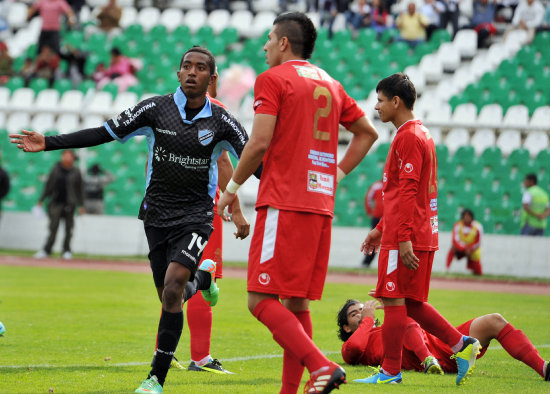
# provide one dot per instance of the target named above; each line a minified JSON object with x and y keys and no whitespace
{"x":528,"y":16}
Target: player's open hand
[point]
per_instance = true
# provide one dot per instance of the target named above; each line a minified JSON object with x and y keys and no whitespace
{"x":29,"y":141}
{"x":371,"y":244}
{"x":243,"y":227}
{"x":369,"y":307}
{"x":407,"y":255}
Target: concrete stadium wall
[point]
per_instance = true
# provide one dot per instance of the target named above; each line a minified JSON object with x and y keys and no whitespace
{"x":124,"y":235}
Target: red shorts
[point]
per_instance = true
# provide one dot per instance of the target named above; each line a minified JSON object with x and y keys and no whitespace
{"x":214,"y":247}
{"x":397,"y":281}
{"x":289,"y":253}
{"x":443,"y":352}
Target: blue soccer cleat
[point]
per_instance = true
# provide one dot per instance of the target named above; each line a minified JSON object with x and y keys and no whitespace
{"x":381,"y":378}
{"x":466,"y":358}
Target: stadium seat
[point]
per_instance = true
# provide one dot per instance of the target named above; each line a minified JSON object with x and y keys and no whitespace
{"x":218,"y":20}
{"x":124,"y":101}
{"x":47,"y":101}
{"x":22,"y":100}
{"x":43,"y":122}
{"x":188,"y":4}
{"x":171,"y":18}
{"x":446,"y":89}
{"x":490,"y":116}
{"x":17,"y":121}
{"x":462,"y":77}
{"x":450,"y":56}
{"x":261,"y":23}
{"x":62,"y":85}
{"x":542,"y":161}
{"x":67,"y":123}
{"x":441,"y":115}
{"x":101,"y":103}
{"x":111,"y":88}
{"x":432,"y":68}
{"x":4,"y":97}
{"x":38,"y":84}
{"x":508,"y":141}
{"x":129,"y":17}
{"x":92,"y":121}
{"x":517,"y":116}
{"x":465,"y":115}
{"x":515,"y":39}
{"x":417,"y":77}
{"x":540,"y":118}
{"x":535,"y":142}
{"x":17,"y":15}
{"x":195,"y":19}
{"x":71,"y":102}
{"x":456,"y":138}
{"x":148,"y":17}
{"x":466,"y":42}
{"x":483,"y":139}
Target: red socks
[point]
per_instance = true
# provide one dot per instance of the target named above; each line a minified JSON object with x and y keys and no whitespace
{"x":393,"y":332}
{"x":199,"y":320}
{"x":431,"y":321}
{"x":292,"y":368}
{"x":414,"y":340}
{"x":289,"y":333}
{"x":516,"y":343}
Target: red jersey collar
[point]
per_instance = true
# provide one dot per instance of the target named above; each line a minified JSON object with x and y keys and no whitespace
{"x":411,"y":120}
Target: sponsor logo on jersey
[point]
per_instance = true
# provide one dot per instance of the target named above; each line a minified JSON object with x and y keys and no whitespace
{"x":433,"y":204}
{"x":320,"y":183}
{"x":160,"y":153}
{"x":264,"y":278}
{"x":435,"y":224}
{"x":206,"y":136}
{"x":409,"y":168}
{"x":307,"y":72}
{"x":169,"y":132}
{"x":188,"y":161}
{"x":133,"y":116}
{"x":390,"y":286}
{"x":234,"y":126}
{"x":322,"y":159}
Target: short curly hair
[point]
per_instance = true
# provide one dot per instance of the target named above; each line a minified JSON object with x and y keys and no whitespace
{"x":342,"y":320}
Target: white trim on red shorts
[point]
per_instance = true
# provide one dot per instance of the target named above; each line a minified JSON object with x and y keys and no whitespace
{"x":270,"y":234}
{"x":392,"y":261}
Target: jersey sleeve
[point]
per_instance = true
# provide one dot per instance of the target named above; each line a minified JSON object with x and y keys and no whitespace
{"x":410,"y":153}
{"x":267,"y":93}
{"x":132,"y":121}
{"x":354,"y":348}
{"x":351,"y":112}
{"x":235,"y":135}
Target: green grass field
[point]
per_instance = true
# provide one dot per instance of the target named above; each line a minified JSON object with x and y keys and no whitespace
{"x":75,"y":331}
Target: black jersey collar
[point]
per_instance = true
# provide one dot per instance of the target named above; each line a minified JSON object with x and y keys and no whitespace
{"x":180,"y":99}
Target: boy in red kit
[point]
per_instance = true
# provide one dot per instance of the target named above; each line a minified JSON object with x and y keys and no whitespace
{"x":363,"y":341}
{"x":408,"y":234}
{"x":467,"y":234}
{"x":298,"y":109}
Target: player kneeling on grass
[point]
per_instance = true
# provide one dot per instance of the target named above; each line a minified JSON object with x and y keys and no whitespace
{"x":362,"y":336}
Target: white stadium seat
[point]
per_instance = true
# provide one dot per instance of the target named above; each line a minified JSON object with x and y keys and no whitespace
{"x":466,"y":43}
{"x":92,"y":121}
{"x":456,"y":138}
{"x":516,"y":117}
{"x":129,"y":17}
{"x":482,"y":139}
{"x":436,"y":134}
{"x":480,"y":65}
{"x":22,"y":100}
{"x":218,"y":20}
{"x":4,"y":97}
{"x":449,"y":55}
{"x":535,"y":142}
{"x":171,"y":18}
{"x":262,"y":22}
{"x":17,"y":121}
{"x":417,"y":77}
{"x":497,"y":53}
{"x":438,"y":115}
{"x":71,"y":102}
{"x":465,"y":115}
{"x":67,"y":123}
{"x":446,"y":89}
{"x":17,"y":15}
{"x":490,"y":116}
{"x":148,"y":17}
{"x":100,"y":104}
{"x":47,"y":100}
{"x":124,"y":101}
{"x":540,"y":118}
{"x":43,"y":122}
{"x":266,"y":5}
{"x":515,"y":40}
{"x":431,"y":67}
{"x":195,"y":19}
{"x":241,"y":20}
{"x":508,"y":141}
{"x":462,"y":77}
{"x":3,"y":117}
{"x":188,"y":4}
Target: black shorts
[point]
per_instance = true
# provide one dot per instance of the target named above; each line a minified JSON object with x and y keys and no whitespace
{"x":182,"y":244}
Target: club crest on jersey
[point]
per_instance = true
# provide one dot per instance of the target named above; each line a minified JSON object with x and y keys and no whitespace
{"x":313,"y":180}
{"x":320,"y":183}
{"x":264,"y":278}
{"x":408,"y":168}
{"x":206,"y":136}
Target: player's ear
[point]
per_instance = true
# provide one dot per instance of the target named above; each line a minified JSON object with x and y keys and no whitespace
{"x":284,"y":43}
{"x":347,"y":328}
{"x":395,"y":101}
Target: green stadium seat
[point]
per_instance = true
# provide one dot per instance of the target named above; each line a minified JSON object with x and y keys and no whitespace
{"x":135,"y":30}
{"x":111,"y":88}
{"x":74,"y":38}
{"x":62,"y":85}
{"x":519,"y":159}
{"x":39,"y":84}
{"x":366,"y":37}
{"x":389,"y":35}
{"x":86,"y":85}
{"x":440,"y":36}
{"x":158,"y":32}
{"x":15,"y":83}
{"x":491,"y":157}
{"x":542,"y":161}
{"x":204,"y":35}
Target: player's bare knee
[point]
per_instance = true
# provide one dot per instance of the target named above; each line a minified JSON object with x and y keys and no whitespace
{"x":497,"y":321}
{"x":172,"y":295}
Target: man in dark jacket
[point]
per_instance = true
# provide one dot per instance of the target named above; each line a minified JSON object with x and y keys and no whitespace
{"x":65,"y":191}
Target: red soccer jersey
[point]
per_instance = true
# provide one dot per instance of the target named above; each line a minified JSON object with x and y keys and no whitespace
{"x":299,"y":168}
{"x":410,"y":190}
{"x":374,"y":202}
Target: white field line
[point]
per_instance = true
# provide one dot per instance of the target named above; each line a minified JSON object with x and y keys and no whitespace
{"x":136,"y":363}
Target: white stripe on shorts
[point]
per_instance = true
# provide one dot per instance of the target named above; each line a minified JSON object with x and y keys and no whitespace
{"x":270,"y":234}
{"x":392,"y":261}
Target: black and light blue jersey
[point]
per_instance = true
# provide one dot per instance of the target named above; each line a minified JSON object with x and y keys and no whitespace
{"x":182,"y":173}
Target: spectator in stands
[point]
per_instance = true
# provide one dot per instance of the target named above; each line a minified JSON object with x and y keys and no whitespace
{"x":76,"y":6}
{"x":27,"y":70}
{"x":432,"y":10}
{"x":76,"y":60}
{"x":450,"y":14}
{"x":120,"y":72}
{"x":374,"y":206}
{"x":109,"y":18}
{"x":528,"y":16}
{"x":412,"y":26}
{"x":4,"y":186}
{"x":466,"y":242}
{"x":482,"y":21}
{"x":65,"y":191}
{"x":359,"y":14}
{"x":51,"y":11}
{"x":329,"y":10}
{"x":545,"y":25}
{"x":379,"y":17}
{"x":95,"y":182}
{"x":46,"y":64}
{"x":6,"y":64}
{"x":210,"y":5}
{"x":536,"y":207}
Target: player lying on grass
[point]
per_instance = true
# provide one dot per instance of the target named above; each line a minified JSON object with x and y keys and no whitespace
{"x":362,"y":336}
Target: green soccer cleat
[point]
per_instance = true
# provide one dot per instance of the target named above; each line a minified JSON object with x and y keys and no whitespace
{"x":149,"y":385}
{"x":211,"y":295}
{"x":466,"y":358}
{"x":214,"y":366}
{"x":431,"y":366}
{"x":175,"y":364}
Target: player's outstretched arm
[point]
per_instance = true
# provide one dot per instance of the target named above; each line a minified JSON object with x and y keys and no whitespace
{"x":371,"y":244}
{"x":364,"y":136}
{"x":29,"y":141}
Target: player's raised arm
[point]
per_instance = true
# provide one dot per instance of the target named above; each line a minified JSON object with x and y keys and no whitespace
{"x":364,"y":136}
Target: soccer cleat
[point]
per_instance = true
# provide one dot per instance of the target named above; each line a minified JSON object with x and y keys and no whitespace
{"x":214,"y":366}
{"x":149,"y":385}
{"x":67,"y":255}
{"x":2,"y":329}
{"x":547,"y":376}
{"x":431,"y":366}
{"x":40,"y":254}
{"x":176,"y":364}
{"x":211,"y":295}
{"x":381,"y":378}
{"x":466,"y":358}
{"x":326,"y":379}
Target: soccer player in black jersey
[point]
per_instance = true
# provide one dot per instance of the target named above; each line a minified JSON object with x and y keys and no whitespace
{"x":186,"y":133}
